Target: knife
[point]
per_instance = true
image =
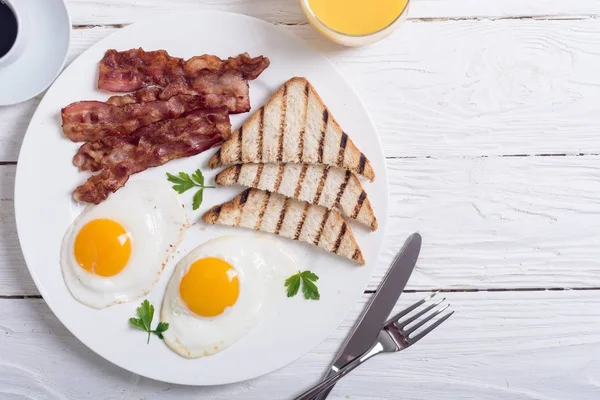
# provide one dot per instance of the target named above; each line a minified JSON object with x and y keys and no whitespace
{"x":379,"y":307}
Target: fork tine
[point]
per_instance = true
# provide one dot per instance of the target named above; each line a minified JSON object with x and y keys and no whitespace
{"x":427,"y":319}
{"x":427,"y":330}
{"x":409,"y":309}
{"x":421,"y":313}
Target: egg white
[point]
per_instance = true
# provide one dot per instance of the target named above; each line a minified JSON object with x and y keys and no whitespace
{"x":152,"y":215}
{"x":262,"y":265}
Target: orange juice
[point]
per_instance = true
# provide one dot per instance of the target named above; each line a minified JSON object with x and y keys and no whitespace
{"x":357,"y":17}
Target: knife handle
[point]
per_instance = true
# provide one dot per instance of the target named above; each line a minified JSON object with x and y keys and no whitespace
{"x":332,"y":380}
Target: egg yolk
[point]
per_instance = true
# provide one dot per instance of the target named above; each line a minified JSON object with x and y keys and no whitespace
{"x":102,"y":247}
{"x":209,"y":286}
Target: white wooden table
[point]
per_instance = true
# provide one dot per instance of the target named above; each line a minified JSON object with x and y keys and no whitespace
{"x":489,"y":113}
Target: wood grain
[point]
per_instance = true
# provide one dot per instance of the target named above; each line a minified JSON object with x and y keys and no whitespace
{"x":13,"y":125}
{"x":14,"y":275}
{"x":501,"y":222}
{"x":288,"y":11}
{"x":479,"y":87}
{"x":504,"y":87}
{"x":510,"y":346}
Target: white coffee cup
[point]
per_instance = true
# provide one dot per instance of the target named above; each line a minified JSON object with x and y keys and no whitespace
{"x":18,"y":46}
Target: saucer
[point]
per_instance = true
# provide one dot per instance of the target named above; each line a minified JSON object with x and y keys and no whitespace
{"x":44,"y":55}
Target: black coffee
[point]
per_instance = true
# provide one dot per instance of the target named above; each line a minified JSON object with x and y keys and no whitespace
{"x":8,"y":28}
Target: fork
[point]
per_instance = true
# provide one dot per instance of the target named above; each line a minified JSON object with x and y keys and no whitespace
{"x":395,"y":335}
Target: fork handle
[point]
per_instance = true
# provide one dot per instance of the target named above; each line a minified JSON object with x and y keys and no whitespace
{"x":346,"y":369}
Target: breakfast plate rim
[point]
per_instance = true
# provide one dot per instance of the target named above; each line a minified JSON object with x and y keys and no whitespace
{"x":20,"y":213}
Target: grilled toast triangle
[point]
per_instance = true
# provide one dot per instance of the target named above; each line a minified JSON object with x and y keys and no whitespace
{"x":290,"y":218}
{"x":316,"y":184}
{"x":294,"y":126}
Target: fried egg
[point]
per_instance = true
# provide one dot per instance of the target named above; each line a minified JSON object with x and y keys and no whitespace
{"x":221,"y":290}
{"x":114,"y":252}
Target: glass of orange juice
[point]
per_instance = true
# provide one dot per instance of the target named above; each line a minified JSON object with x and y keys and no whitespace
{"x":355,"y":22}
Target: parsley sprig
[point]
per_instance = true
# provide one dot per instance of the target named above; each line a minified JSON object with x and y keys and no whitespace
{"x":307,"y":280}
{"x":145,"y":312}
{"x":183,"y":182}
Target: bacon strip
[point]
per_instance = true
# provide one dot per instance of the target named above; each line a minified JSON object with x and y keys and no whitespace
{"x":118,"y":157}
{"x":235,"y":104}
{"x":135,"y":69}
{"x":144,"y":95}
{"x":125,"y":71}
{"x":91,"y":120}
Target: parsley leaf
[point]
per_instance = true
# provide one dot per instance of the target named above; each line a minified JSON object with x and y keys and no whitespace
{"x":309,"y":288}
{"x":311,"y":276}
{"x":293,"y":284}
{"x":197,"y":199}
{"x":198,"y":177}
{"x":145,"y":312}
{"x":183,"y":182}
{"x":307,"y":279}
{"x":137,"y":323}
{"x":160,"y":328}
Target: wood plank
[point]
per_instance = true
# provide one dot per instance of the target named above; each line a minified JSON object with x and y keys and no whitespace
{"x":509,"y":346}
{"x":497,"y":222}
{"x":475,"y":88}
{"x":13,"y":125}
{"x":119,"y":11}
{"x":14,"y":275}
{"x":501,"y":222}
{"x":465,"y":88}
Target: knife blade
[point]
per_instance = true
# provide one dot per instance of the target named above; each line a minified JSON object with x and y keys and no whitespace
{"x":379,"y":307}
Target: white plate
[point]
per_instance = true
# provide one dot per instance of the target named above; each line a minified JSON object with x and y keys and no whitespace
{"x":46,"y":179}
{"x":48,"y":34}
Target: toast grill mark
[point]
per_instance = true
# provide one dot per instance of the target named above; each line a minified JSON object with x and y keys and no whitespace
{"x":321,"y":227}
{"x":343,"y":187}
{"x":241,"y":143}
{"x":261,"y":128}
{"x":338,"y":241}
{"x":279,"y":177}
{"x":320,"y":186}
{"x":263,"y":209}
{"x":303,"y":130}
{"x":323,"y":132}
{"x":300,"y":180}
{"x":281,"y":216}
{"x":356,"y":255}
{"x":259,"y":171}
{"x":243,"y":199}
{"x":301,"y":223}
{"x":359,"y":203}
{"x":361,"y":164}
{"x":216,"y":213}
{"x":238,"y":170}
{"x":342,"y":152}
{"x":283,"y":114}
